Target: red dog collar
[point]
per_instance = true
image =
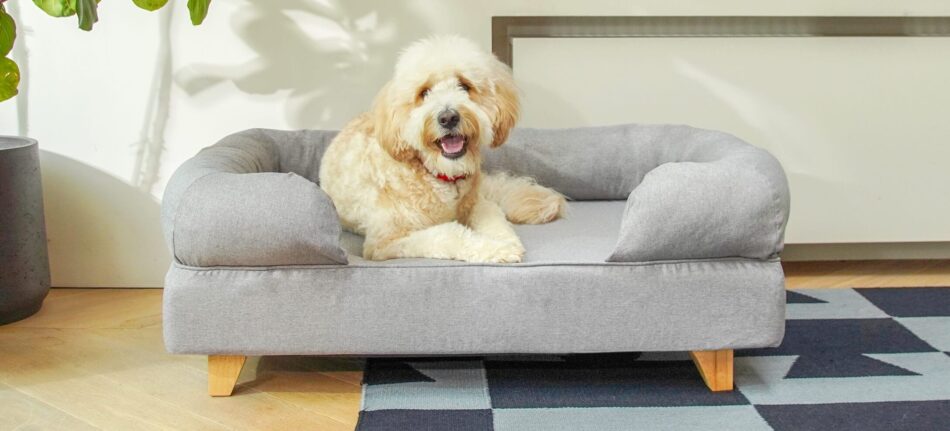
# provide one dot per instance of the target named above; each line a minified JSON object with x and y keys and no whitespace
{"x":449,"y":179}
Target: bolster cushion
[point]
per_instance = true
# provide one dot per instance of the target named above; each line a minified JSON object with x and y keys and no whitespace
{"x":229,"y":206}
{"x":689,"y":210}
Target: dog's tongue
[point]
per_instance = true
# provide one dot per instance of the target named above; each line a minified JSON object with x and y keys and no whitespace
{"x":452,"y":144}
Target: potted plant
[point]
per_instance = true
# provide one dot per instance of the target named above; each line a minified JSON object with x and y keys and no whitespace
{"x":24,"y":276}
{"x":24,"y":262}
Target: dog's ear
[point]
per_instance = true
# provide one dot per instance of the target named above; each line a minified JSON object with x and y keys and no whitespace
{"x":386,"y":128}
{"x":507,"y":107}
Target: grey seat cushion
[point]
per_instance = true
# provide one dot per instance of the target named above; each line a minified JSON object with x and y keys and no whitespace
{"x":587,"y":235}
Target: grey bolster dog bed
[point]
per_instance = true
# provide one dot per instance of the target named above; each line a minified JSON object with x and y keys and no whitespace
{"x":671,"y":243}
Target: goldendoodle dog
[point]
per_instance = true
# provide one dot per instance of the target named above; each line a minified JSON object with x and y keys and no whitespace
{"x":407,"y":175}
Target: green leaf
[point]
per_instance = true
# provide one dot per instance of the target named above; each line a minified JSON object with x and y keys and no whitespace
{"x":150,"y":5}
{"x":87,"y":12}
{"x":198,"y":10}
{"x":7,"y":32}
{"x":57,"y":8}
{"x":9,"y":78}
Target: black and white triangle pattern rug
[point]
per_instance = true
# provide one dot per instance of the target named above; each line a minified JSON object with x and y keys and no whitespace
{"x":852,"y":359}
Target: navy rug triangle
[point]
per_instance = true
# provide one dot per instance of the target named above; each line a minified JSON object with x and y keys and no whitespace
{"x":389,"y":371}
{"x":793,"y":297}
{"x":819,"y":366}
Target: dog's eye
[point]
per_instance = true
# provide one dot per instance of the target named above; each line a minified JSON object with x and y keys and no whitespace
{"x":465,"y":87}
{"x":424,"y":93}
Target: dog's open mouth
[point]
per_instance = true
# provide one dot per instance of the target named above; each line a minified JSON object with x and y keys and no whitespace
{"x":453,"y":146}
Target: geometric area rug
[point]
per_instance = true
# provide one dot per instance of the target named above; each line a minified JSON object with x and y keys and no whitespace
{"x":852,"y":359}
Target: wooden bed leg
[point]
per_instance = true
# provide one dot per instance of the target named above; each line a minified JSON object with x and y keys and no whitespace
{"x":716,"y":368}
{"x":223,"y":372}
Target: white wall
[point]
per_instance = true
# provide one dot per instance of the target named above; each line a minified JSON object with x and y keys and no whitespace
{"x":117,"y":109}
{"x":859,"y":123}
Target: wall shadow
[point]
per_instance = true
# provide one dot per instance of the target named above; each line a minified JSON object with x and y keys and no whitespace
{"x":151,"y":143}
{"x":93,"y":220}
{"x":317,"y":52}
{"x":774,"y":122}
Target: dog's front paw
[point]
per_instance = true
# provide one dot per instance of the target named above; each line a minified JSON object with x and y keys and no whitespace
{"x":500,"y":252}
{"x":509,"y":253}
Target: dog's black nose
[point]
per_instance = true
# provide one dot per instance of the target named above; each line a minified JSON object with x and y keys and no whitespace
{"x":449,"y":118}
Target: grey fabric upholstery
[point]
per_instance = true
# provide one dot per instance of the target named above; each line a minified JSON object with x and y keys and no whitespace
{"x":587,"y":235}
{"x":229,"y":206}
{"x":456,"y":308}
{"x":691,"y":193}
{"x":688,"y":210}
{"x":670,"y":244}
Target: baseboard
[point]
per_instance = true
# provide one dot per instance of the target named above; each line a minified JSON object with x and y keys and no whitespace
{"x":867,"y":251}
{"x":106,"y":286}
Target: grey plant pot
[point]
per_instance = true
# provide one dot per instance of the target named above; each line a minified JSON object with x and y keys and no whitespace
{"x":24,"y":263}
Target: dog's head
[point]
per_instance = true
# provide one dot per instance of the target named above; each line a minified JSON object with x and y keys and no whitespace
{"x":447,"y":99}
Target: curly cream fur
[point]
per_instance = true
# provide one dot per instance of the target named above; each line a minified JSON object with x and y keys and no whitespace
{"x":381,"y":170}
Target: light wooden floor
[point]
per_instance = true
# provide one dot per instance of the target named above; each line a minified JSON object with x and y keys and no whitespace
{"x":93,"y":358}
{"x":892,"y":273}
